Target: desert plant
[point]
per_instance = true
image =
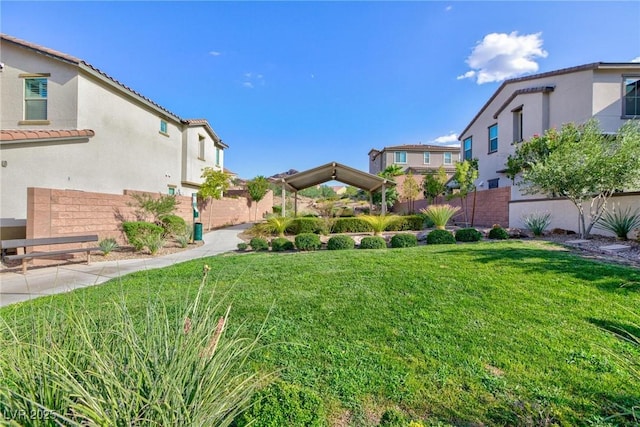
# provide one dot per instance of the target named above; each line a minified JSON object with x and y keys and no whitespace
{"x":183,"y":237}
{"x":537,"y":222}
{"x":153,"y":241}
{"x":155,"y":206}
{"x":440,"y":237}
{"x":308,"y":242}
{"x":498,"y":233}
{"x":620,"y":222}
{"x":278,"y":224}
{"x":340,"y":242}
{"x":373,"y":242}
{"x":404,"y":240}
{"x":440,"y":214}
{"x":172,"y":224}
{"x":259,"y":244}
{"x":280,"y":244}
{"x":108,"y":245}
{"x":77,"y":370}
{"x":242,"y":246}
{"x":379,"y":223}
{"x":468,"y":235}
{"x":136,"y":232}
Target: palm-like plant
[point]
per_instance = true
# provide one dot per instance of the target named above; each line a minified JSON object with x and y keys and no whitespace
{"x":620,"y":222}
{"x":379,"y":223}
{"x":440,"y":214}
{"x":278,"y":224}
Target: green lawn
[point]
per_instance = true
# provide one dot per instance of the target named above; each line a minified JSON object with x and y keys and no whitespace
{"x":500,"y":333}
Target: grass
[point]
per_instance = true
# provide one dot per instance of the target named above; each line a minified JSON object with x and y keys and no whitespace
{"x":500,"y":333}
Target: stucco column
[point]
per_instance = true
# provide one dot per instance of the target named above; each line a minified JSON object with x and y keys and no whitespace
{"x":384,"y":200}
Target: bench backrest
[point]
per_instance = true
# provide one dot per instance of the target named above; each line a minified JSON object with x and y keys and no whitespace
{"x":23,"y":243}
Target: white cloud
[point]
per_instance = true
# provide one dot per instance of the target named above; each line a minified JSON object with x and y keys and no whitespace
{"x":448,"y":8}
{"x":448,"y":140}
{"x":636,"y":59}
{"x":251,"y":80}
{"x":501,"y":56}
{"x":215,"y":53}
{"x":248,"y":85}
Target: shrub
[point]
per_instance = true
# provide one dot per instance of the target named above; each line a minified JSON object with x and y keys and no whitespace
{"x":259,"y":244}
{"x":278,"y":224}
{"x":340,"y":242}
{"x":619,"y":222}
{"x":404,"y":240}
{"x":154,"y":242}
{"x":537,"y":222}
{"x":242,"y":246}
{"x":155,"y":206}
{"x":440,"y":214}
{"x":373,"y":242}
{"x":280,"y":244}
{"x":350,"y":225}
{"x":409,"y":223}
{"x":468,"y":235}
{"x":308,"y":242}
{"x":184,"y":237}
{"x":380,"y":223}
{"x":307,"y":225}
{"x":173,"y":225}
{"x":283,"y":404}
{"x":498,"y":233}
{"x":137,"y":230}
{"x":107,"y":245}
{"x":440,"y":237}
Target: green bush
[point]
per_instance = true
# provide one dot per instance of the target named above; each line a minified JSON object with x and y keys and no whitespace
{"x":173,"y":225}
{"x":350,"y":225}
{"x":440,"y":237}
{"x":280,"y":244}
{"x":409,"y":223}
{"x":404,"y":240}
{"x":283,"y":404}
{"x":107,"y":245}
{"x":242,"y":246}
{"x":153,"y":241}
{"x":136,"y":231}
{"x":498,"y":233}
{"x":259,"y":244}
{"x":308,"y":242}
{"x":468,"y":235}
{"x":303,"y":225}
{"x":373,"y":242}
{"x":340,"y":242}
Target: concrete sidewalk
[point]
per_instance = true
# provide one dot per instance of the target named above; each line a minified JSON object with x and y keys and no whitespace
{"x":16,"y":287}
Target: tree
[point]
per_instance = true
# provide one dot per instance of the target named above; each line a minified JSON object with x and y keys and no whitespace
{"x":257,"y":188}
{"x":410,"y":190}
{"x":391,"y":193}
{"x":465,"y":177}
{"x":434,"y":184}
{"x":216,"y":182}
{"x":581,"y":163}
{"x":155,"y":206}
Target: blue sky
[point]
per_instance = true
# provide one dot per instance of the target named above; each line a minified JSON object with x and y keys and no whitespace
{"x":299,"y":84}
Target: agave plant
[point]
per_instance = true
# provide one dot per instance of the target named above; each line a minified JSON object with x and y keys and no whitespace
{"x":440,"y":214}
{"x":537,"y":222}
{"x":278,"y":224}
{"x":379,"y":223}
{"x":108,"y":245}
{"x":620,"y":222}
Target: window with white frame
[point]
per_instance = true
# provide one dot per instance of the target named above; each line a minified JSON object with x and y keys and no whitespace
{"x":447,"y":158}
{"x":35,"y":98}
{"x":400,"y":157}
{"x":163,"y":126}
{"x":493,"y":138}
{"x":427,"y":157}
{"x":468,"y":145}
{"x":217,"y":156}
{"x":631,"y":102}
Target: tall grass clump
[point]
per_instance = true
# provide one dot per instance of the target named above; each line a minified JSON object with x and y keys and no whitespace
{"x":440,"y":214}
{"x":108,"y":245}
{"x":160,"y":367}
{"x":379,"y":223}
{"x":278,"y":224}
{"x":620,"y":222}
{"x":537,"y":222}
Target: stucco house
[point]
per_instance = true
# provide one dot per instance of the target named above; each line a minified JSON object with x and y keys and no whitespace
{"x":416,"y":158}
{"x":525,"y":106}
{"x":68,"y":125}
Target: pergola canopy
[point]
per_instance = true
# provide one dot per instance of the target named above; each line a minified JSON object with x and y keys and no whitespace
{"x":335,"y":172}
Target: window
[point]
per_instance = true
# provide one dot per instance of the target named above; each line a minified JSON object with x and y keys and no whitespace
{"x":493,"y":183}
{"x":427,"y":157}
{"x":163,"y":126}
{"x":631,"y":103}
{"x":201,"y":147}
{"x":172,"y":191}
{"x":517,"y":125}
{"x":493,"y":138}
{"x":400,"y":157}
{"x":35,"y":99}
{"x":468,"y":154}
{"x":217,"y":156}
{"x":447,"y":158}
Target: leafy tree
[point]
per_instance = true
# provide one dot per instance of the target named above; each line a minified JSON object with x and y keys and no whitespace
{"x":581,"y":163}
{"x":434,"y":184}
{"x":257,"y":188}
{"x":155,"y":206}
{"x":465,"y":177}
{"x":216,"y":182}
{"x":352,"y":192}
{"x":391,"y":193}
{"x":410,"y":190}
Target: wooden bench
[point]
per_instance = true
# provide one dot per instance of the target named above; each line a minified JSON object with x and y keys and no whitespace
{"x":47,"y":241}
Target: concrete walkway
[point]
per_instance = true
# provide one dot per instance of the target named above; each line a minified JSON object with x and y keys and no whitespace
{"x":16,"y":287}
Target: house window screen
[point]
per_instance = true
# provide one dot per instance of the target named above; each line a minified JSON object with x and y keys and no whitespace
{"x":35,"y":99}
{"x":632,"y":96}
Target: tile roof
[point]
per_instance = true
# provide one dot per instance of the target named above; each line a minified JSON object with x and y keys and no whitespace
{"x":29,"y":134}
{"x":422,"y":147}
